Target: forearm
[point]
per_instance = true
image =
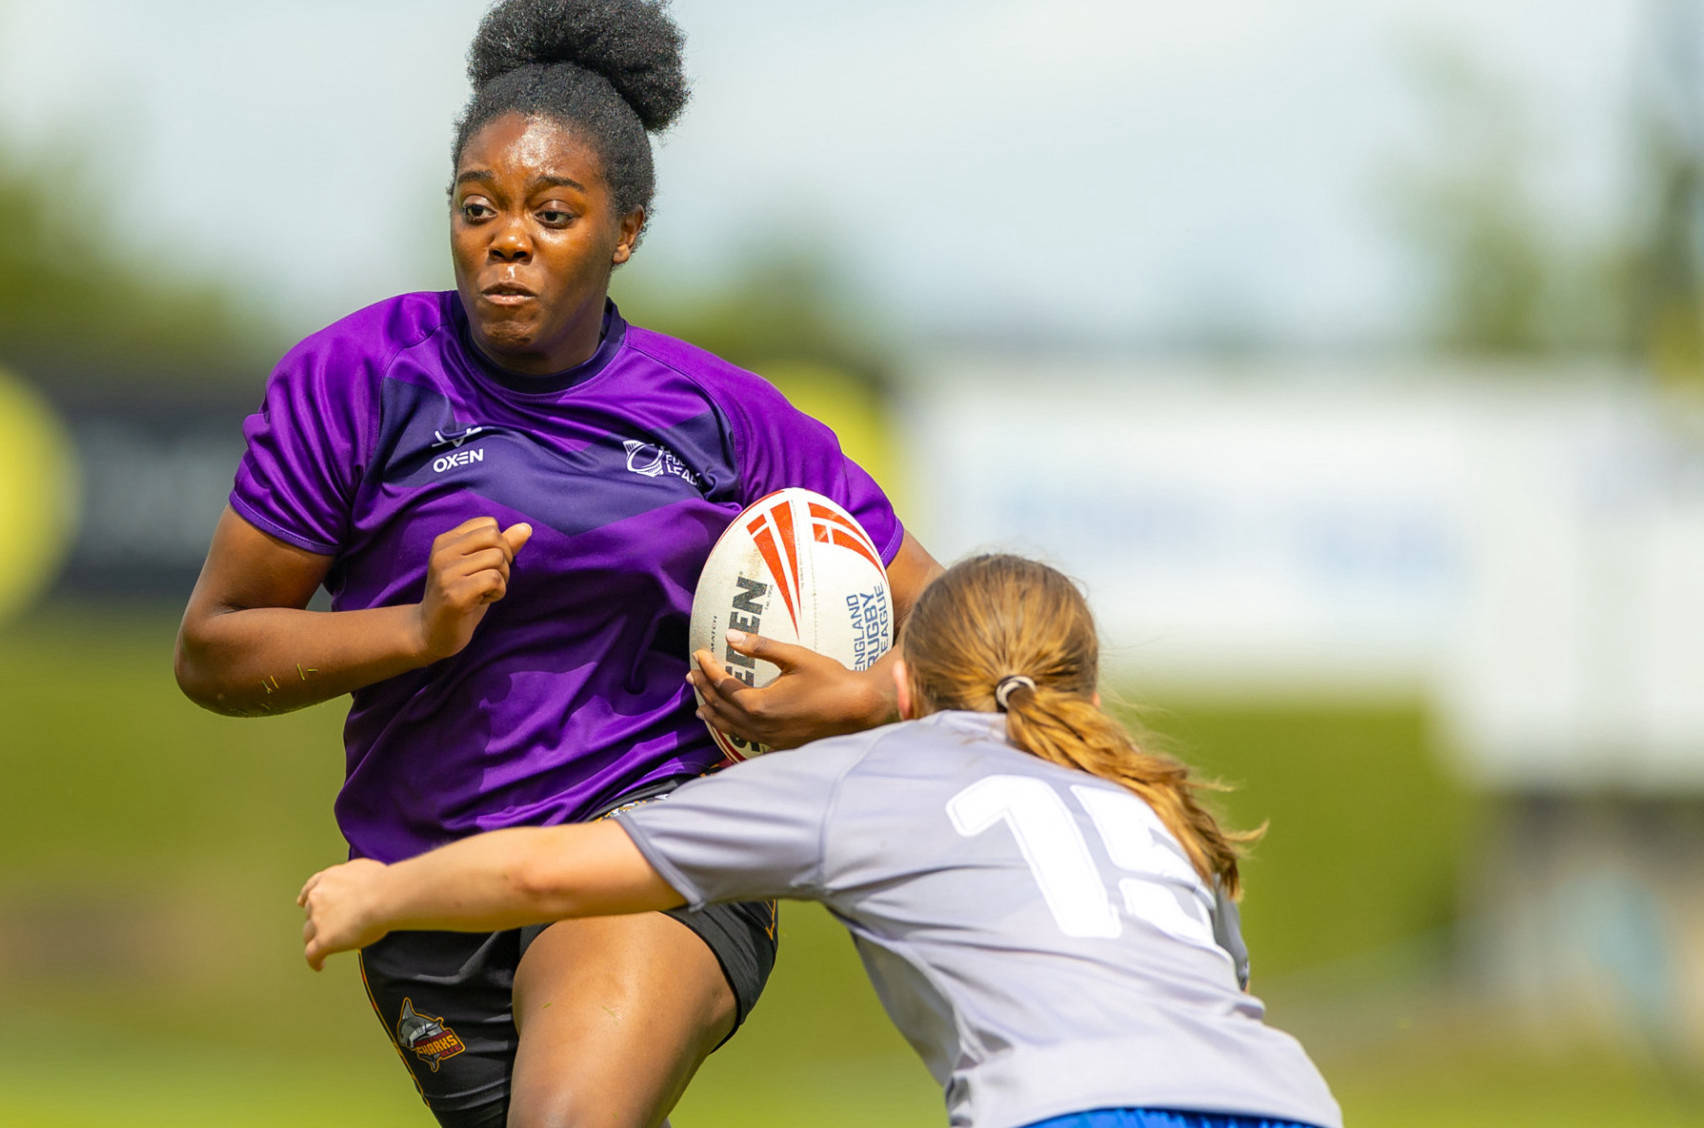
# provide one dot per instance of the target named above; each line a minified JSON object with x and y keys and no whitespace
{"x":262,"y":660}
{"x":507,"y":878}
{"x":883,"y":696}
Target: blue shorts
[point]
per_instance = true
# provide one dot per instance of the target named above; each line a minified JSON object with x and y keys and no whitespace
{"x":1160,"y":1118}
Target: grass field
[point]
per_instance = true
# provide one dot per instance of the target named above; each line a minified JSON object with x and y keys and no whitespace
{"x":152,"y":976}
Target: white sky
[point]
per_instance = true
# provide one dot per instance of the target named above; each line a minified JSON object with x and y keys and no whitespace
{"x":1111,"y":166}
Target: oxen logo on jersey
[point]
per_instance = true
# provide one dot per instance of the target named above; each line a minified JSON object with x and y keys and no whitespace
{"x":457,"y":456}
{"x":653,"y":461}
{"x":427,"y":1036}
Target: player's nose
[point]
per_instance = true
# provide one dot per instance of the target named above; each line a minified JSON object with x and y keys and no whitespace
{"x":510,"y":244}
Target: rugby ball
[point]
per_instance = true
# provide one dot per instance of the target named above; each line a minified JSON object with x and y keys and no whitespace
{"x":793,"y":567}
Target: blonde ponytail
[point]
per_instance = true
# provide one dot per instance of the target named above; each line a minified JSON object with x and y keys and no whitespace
{"x":1071,"y":731}
{"x":1005,"y":634}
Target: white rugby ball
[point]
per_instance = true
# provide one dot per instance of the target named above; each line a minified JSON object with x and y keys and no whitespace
{"x":793,"y":567}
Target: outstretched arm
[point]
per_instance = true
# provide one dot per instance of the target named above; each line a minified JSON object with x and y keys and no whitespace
{"x":500,"y":879}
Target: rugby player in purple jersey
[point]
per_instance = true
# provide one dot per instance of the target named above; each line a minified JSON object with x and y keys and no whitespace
{"x":509,"y":493}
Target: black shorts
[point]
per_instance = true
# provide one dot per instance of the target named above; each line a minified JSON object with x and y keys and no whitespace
{"x":445,"y":998}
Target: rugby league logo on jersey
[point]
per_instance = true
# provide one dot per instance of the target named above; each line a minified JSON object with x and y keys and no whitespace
{"x":652,"y":461}
{"x":431,"y":1041}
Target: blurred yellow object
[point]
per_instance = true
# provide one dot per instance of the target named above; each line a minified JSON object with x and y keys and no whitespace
{"x":1677,"y":346}
{"x":39,"y":493}
{"x":857,"y":416}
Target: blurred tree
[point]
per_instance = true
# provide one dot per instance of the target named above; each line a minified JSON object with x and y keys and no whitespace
{"x":1666,"y":264}
{"x":1507,"y":275}
{"x":783,"y":302}
{"x":1469,"y":209}
{"x":76,"y":297}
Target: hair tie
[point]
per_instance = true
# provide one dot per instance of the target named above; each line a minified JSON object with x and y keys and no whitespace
{"x":1007,"y":686}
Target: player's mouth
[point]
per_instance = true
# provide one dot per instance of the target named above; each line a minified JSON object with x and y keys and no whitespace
{"x":508,"y":294}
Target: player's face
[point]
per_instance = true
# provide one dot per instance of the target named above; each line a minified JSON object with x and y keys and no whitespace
{"x":534,"y":235}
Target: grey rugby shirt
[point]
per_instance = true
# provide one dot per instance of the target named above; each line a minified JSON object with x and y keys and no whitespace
{"x":1034,"y":932}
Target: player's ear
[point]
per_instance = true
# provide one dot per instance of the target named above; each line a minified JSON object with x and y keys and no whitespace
{"x":628,"y":237}
{"x":1095,"y":698}
{"x":902,"y":690}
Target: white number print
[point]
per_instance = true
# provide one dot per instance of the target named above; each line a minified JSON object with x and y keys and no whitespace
{"x":1051,"y":844}
{"x":1137,"y":841}
{"x":1059,"y":859}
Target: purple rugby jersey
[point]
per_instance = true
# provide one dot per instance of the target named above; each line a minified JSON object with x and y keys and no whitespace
{"x":387,"y":428}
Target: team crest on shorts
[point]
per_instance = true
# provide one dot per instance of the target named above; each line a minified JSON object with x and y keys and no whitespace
{"x":428,"y":1037}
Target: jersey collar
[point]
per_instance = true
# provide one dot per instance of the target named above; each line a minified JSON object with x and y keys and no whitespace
{"x":614,"y":335}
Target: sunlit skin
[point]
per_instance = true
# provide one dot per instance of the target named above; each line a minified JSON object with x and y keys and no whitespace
{"x":534,"y":235}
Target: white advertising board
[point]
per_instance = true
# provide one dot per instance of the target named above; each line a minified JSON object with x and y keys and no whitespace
{"x":1487,"y":539}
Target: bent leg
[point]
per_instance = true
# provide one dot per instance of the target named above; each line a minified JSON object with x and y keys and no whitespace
{"x":615,"y":1015}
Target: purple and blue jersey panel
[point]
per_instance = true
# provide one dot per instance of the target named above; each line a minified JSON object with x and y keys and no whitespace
{"x":388,"y":428}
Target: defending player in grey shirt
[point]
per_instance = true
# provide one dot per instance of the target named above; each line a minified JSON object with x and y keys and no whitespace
{"x":1035,"y":933}
{"x":1051,"y":939}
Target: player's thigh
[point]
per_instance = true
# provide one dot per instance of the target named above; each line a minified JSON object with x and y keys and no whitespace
{"x":615,"y":1014}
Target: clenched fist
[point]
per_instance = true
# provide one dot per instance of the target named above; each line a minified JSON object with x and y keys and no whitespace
{"x":467,"y":573}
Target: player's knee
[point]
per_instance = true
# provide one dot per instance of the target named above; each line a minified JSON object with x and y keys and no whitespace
{"x":531,"y":1109}
{"x":560,"y":1106}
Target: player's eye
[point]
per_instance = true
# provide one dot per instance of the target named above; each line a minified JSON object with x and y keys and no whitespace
{"x":474,"y":210}
{"x":555,"y":217}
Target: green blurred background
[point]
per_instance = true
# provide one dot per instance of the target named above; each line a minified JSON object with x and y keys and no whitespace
{"x":1453,"y":946}
{"x":154,"y":976}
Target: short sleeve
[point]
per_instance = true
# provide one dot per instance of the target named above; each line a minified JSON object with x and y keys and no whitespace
{"x":749,"y":832}
{"x":298,"y":475}
{"x":778,"y":446}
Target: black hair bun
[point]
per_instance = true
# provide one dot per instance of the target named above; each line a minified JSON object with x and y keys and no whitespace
{"x":632,"y":43}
